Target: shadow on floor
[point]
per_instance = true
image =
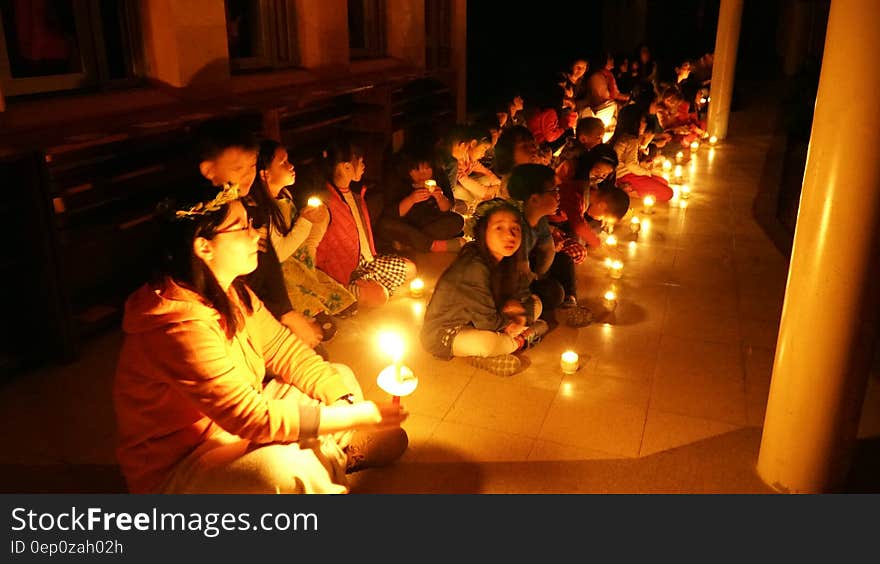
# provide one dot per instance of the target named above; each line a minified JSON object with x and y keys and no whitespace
{"x":61,"y":478}
{"x":864,"y":476}
{"x":722,"y":464}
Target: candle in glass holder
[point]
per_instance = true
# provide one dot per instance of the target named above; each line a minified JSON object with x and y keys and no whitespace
{"x":667,"y":164}
{"x":616,"y":270}
{"x":678,"y":172}
{"x":416,"y":288}
{"x":713,"y":140}
{"x":611,"y":241}
{"x":648,"y":203}
{"x":609,"y":300}
{"x":685,"y":192}
{"x":569,"y":362}
{"x":431,"y":185}
{"x":679,"y":156}
{"x":314,"y":202}
{"x":694,"y":146}
{"x":635,"y":224}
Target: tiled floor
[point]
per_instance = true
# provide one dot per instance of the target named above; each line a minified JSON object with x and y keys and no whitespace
{"x":669,"y":397}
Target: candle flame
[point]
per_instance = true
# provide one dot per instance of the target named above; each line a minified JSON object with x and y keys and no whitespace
{"x":610,"y":295}
{"x":314,"y":202}
{"x":391,"y":344}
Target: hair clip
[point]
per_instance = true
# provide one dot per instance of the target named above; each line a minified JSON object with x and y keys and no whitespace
{"x":228,"y":193}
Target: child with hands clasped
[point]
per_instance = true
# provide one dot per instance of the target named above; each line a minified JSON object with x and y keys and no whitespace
{"x":482,"y":308}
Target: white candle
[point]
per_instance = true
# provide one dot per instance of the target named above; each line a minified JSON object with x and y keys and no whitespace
{"x":569,"y":362}
{"x":635,"y":224}
{"x":609,"y":300}
{"x":416,"y":288}
{"x":314,"y":202}
{"x":616,"y":269}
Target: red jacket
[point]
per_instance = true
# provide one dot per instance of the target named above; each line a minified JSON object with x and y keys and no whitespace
{"x":339,"y":251}
{"x":573,"y":203}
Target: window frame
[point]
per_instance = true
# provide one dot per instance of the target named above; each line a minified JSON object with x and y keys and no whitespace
{"x":93,"y":56}
{"x":374,"y":32}
{"x":272,"y":38}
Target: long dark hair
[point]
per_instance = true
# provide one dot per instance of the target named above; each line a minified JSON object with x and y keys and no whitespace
{"x":179,"y":262}
{"x":266,"y":204}
{"x":342,"y":150}
{"x":504,"y":275}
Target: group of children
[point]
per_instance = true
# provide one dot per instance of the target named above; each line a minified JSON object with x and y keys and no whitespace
{"x":221,"y":385}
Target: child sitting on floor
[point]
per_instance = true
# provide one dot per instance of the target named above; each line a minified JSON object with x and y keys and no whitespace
{"x":482,"y":308}
{"x":347,"y":251}
{"x":417,"y":213}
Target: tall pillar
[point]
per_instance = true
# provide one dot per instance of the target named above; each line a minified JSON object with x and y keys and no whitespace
{"x":185,"y":43}
{"x":322,"y":32}
{"x":724,"y":66}
{"x":405,"y":31}
{"x":828,"y":318}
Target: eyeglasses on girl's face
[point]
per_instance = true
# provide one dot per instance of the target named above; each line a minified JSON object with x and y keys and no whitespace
{"x":248,"y":227}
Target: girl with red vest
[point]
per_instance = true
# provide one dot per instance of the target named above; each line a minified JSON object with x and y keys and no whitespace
{"x":347,"y":251}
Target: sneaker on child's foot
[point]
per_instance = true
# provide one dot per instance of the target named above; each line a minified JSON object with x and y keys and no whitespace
{"x":532,"y":336}
{"x":580,"y":316}
{"x":569,"y":302}
{"x":501,"y":365}
{"x":370,"y":449}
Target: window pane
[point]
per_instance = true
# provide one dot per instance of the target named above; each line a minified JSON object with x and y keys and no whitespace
{"x":357,"y":38}
{"x":116,"y":31}
{"x":41,"y":37}
{"x":243,"y":28}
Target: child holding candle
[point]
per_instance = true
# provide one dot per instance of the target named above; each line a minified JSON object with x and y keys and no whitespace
{"x":418,"y":210}
{"x":627,"y":142}
{"x":347,"y":251}
{"x":482,"y":308}
{"x":213,"y":395}
{"x":295,"y":236}
{"x":226,"y":152}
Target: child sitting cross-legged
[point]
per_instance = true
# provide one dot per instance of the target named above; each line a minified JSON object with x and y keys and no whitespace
{"x":418,"y":210}
{"x":482,"y":308}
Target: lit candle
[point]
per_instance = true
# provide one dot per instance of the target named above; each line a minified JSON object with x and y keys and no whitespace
{"x":685,"y":191}
{"x":713,"y":140}
{"x":665,"y":176}
{"x":431,"y":185}
{"x":609,"y":300}
{"x":611,"y":241}
{"x":395,"y":379}
{"x":314,"y":202}
{"x":679,"y":156}
{"x":667,"y":164}
{"x":648,"y":203}
{"x":694,"y":146}
{"x":632,"y":246}
{"x":635,"y":224}
{"x":608,"y":262}
{"x":678,"y":173}
{"x":416,"y":288}
{"x":569,"y":362}
{"x":616,"y":269}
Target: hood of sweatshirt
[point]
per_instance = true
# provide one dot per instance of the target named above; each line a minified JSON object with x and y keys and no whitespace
{"x":153,"y":306}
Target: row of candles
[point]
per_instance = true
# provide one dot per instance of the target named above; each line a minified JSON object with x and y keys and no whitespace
{"x":399,"y":380}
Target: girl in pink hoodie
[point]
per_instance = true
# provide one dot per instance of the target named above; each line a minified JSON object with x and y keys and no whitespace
{"x":214,"y":395}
